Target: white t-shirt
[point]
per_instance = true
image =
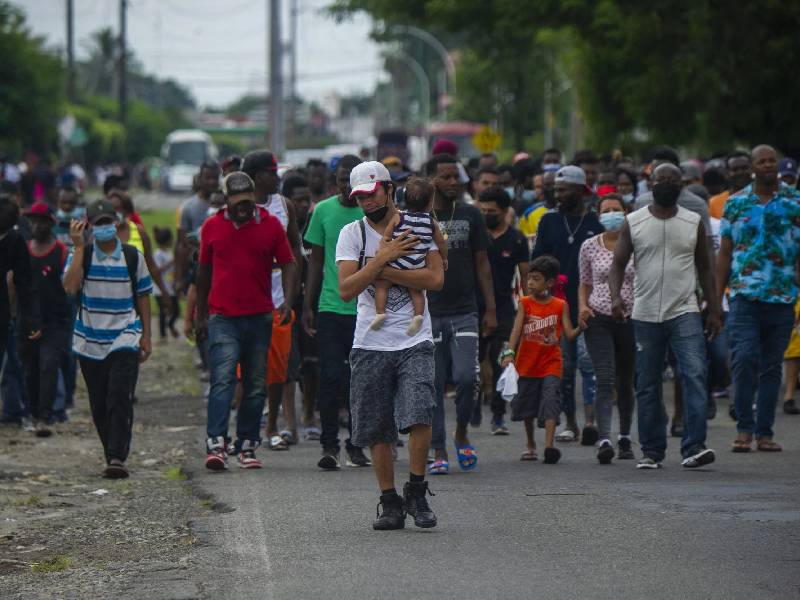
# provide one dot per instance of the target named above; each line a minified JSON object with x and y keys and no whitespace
{"x":161,"y":258}
{"x":399,"y":309}
{"x":717,"y":239}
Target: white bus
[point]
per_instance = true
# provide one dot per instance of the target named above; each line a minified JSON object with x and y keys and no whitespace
{"x":183,"y":152}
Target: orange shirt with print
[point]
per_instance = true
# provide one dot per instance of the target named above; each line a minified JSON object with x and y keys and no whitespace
{"x":539,"y":353}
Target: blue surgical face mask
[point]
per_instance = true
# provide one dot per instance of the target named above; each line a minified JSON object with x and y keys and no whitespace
{"x":612,"y":221}
{"x":511,"y":192}
{"x":528,"y":195}
{"x":628,"y":198}
{"x":77,"y":213}
{"x":104,"y":233}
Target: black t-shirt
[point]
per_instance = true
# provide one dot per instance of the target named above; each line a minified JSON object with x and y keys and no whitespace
{"x":53,"y":301}
{"x":505,"y":253}
{"x":14,"y":257}
{"x":552,"y":238}
{"x":466,"y":234}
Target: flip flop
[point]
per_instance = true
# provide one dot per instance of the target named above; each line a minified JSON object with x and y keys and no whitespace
{"x":439,"y":467}
{"x":741,"y":446}
{"x":467,"y":457}
{"x":551,"y":456}
{"x":766,"y":445}
{"x":276,"y":442}
{"x":529,"y":455}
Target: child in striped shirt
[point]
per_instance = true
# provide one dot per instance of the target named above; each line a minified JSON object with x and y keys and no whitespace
{"x":418,"y":220}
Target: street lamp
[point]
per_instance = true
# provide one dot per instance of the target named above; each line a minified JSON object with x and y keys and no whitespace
{"x":438,"y":47}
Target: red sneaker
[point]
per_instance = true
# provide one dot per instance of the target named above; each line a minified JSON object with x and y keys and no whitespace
{"x":247,"y":456}
{"x":216,"y":458}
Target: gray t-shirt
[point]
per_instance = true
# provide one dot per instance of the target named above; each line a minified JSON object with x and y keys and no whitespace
{"x":194,"y":211}
{"x":687,"y":200}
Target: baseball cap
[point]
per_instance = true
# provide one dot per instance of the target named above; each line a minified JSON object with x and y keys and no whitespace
{"x":367,"y":176}
{"x":99,"y":209}
{"x":237,"y":182}
{"x":40,"y":209}
{"x":573,"y":175}
{"x":787,"y":166}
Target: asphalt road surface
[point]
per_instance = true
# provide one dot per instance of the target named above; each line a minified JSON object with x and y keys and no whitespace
{"x":512,"y":529}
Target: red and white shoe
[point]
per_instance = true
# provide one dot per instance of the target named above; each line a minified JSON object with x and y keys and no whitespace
{"x":247,"y":455}
{"x":216,"y":457}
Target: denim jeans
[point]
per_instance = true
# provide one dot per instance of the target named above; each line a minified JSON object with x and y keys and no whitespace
{"x":42,"y":361}
{"x":612,"y":349}
{"x":718,"y":369}
{"x":576,"y":358}
{"x":12,"y":382}
{"x":456,"y":356}
{"x":759,"y":333}
{"x":334,"y":341}
{"x":492,"y":346}
{"x":244,"y":340}
{"x":684,"y":335}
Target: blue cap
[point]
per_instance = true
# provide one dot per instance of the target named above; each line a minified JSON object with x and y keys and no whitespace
{"x":787,"y":166}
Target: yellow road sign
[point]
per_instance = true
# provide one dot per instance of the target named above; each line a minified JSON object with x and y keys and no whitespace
{"x":487,"y":139}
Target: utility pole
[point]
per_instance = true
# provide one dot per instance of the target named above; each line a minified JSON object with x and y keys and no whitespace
{"x":276,"y":138}
{"x":70,"y":51}
{"x":293,"y":72}
{"x":123,"y":67}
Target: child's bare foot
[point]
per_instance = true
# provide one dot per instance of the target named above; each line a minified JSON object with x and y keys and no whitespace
{"x":414,"y":326}
{"x":529,"y":454}
{"x":377,"y":322}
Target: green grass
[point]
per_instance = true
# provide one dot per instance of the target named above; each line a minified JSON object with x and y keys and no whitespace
{"x":174,"y":474}
{"x":51,"y":565}
{"x":158,"y":218}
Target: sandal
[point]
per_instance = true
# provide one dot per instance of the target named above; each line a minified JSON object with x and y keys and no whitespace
{"x":767,"y":445}
{"x":467,"y":457}
{"x":439,"y":467}
{"x":529,"y":454}
{"x":276,"y":442}
{"x":566,"y":436}
{"x":288,"y":437}
{"x":741,"y":445}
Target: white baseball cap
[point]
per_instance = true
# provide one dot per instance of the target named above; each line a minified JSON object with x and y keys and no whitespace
{"x":367,"y":176}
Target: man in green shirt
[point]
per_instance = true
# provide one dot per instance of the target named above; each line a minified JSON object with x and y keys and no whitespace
{"x":327,"y":317}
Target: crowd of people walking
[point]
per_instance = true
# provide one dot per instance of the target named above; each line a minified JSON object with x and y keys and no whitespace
{"x":381,"y":295}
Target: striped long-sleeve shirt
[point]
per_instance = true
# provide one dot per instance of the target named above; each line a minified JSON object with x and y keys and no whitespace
{"x":107,"y":319}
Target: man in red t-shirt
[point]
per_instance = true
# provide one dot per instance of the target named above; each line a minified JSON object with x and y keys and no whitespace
{"x":238,"y":248}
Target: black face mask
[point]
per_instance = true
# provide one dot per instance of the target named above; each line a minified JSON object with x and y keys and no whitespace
{"x":492,"y":221}
{"x":40,"y":234}
{"x":666,"y":194}
{"x":376,"y":216}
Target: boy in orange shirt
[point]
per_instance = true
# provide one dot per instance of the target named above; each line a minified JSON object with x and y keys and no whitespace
{"x":540,"y":320}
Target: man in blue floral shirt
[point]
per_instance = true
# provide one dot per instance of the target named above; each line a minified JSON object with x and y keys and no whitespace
{"x":758,"y":261}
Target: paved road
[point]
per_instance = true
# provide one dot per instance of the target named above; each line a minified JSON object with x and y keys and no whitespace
{"x":513,"y":529}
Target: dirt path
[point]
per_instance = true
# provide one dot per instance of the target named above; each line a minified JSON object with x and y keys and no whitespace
{"x":65,"y":532}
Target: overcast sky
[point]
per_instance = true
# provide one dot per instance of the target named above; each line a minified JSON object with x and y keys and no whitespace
{"x":217,"y":48}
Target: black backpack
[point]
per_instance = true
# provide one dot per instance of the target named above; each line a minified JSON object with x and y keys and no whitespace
{"x":131,"y":255}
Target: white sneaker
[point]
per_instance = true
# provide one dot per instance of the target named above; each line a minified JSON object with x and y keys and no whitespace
{"x":704,"y":457}
{"x":648,"y":463}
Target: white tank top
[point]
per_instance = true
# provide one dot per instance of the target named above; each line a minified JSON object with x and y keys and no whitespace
{"x":277,"y":208}
{"x":663,"y":250}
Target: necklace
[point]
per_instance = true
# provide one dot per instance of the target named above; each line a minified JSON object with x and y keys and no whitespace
{"x":571,"y":237}
{"x":446,"y":233}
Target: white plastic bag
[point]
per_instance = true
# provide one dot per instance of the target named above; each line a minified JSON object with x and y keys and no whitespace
{"x":507,"y":384}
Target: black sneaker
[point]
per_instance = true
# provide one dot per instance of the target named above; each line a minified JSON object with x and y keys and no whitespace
{"x":356,"y":457}
{"x":329,"y":460}
{"x":790,"y":408}
{"x":624,"y":451}
{"x":393,"y":516}
{"x":648,"y":462}
{"x":703,"y":457}
{"x":416,"y":504}
{"x":605,"y":453}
